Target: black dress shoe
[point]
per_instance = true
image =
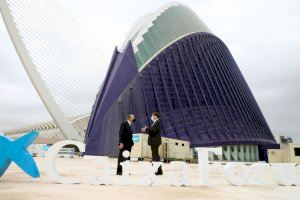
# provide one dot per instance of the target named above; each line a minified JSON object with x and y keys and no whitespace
{"x":120,"y":174}
{"x":158,"y":173}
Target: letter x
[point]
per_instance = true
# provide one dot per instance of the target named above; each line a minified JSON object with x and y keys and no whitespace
{"x":16,"y":151}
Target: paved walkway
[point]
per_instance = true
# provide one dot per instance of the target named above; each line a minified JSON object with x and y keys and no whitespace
{"x":16,"y":185}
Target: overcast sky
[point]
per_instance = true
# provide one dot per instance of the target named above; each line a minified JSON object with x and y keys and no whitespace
{"x":262,"y":35}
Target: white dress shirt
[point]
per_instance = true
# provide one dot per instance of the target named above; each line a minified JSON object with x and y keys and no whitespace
{"x":154,"y":121}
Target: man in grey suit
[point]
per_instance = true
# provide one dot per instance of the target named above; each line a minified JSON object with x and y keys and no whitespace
{"x":154,"y":139}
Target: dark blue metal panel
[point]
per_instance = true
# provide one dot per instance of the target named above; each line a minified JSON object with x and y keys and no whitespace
{"x":168,"y":98}
{"x":220,"y":81}
{"x":100,"y":94}
{"x":224,"y":85}
{"x":193,"y":136}
{"x":203,"y":94}
{"x":263,"y":127}
{"x":209,"y":65}
{"x":204,"y":76}
{"x":223,"y":98}
{"x":134,"y":108}
{"x":178,"y":99}
{"x":157,"y":99}
{"x":237,"y":107}
{"x":188,"y":73}
{"x":243,"y":106}
{"x":235,"y":87}
{"x":121,"y":72}
{"x":146,"y":104}
{"x":247,"y":98}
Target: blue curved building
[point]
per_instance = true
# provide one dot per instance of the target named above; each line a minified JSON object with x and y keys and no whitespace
{"x":173,"y":64}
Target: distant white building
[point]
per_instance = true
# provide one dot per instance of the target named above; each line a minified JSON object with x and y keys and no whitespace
{"x":49,"y":132}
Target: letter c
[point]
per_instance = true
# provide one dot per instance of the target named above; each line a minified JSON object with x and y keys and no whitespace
{"x":50,"y":167}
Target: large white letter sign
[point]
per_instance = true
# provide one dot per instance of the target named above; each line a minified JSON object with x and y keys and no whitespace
{"x":125,"y":168}
{"x":179,"y":169}
{"x":284,"y":173}
{"x":150,"y":169}
{"x":236,"y":173}
{"x":203,"y":163}
{"x":297,"y":179}
{"x":50,"y":164}
{"x":105,"y":179}
{"x":258,"y":173}
{"x":125,"y":172}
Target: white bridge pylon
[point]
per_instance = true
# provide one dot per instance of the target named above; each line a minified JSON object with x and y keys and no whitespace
{"x":65,"y":64}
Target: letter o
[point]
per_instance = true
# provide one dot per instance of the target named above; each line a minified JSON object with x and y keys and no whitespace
{"x":232,"y":178}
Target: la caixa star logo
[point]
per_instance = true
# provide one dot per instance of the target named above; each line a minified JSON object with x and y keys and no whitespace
{"x":16,"y":151}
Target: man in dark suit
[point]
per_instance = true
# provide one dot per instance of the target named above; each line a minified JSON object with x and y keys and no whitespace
{"x":154,"y":139}
{"x":125,"y":140}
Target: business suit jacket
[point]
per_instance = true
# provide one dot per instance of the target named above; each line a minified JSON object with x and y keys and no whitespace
{"x":154,"y":133}
{"x":125,"y":135}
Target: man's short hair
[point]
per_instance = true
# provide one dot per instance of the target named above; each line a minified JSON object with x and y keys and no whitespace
{"x":129,"y":116}
{"x":156,"y":114}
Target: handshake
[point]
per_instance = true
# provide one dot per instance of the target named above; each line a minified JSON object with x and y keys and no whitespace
{"x":144,"y":129}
